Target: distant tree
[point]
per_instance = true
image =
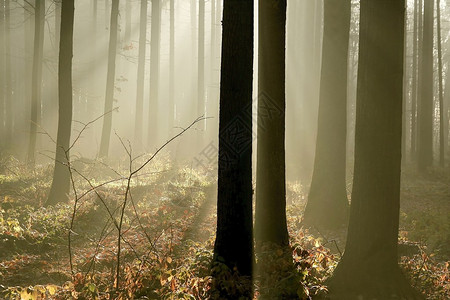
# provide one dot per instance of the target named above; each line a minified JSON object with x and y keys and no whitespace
{"x":414,"y":84}
{"x":327,"y":205}
{"x":369,"y":267}
{"x":57,"y":21}
{"x":110,"y":77}
{"x":201,"y":63}
{"x":141,"y":73}
{"x":425,"y":111}
{"x":2,"y":74}
{"x":61,"y":176}
{"x":154,"y":73}
{"x":234,"y":238}
{"x":35,"y":120}
{"x":172,"y":67}
{"x":8,"y":78}
{"x":441,"y":88}
{"x":270,"y":214}
{"x":128,"y":12}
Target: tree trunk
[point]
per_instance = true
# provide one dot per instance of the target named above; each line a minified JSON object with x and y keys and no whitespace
{"x":128,"y":12}
{"x":9,"y":89}
{"x":57,"y":21}
{"x":36,"y":85}
{"x":61,"y":176}
{"x":425,"y":112}
{"x":369,"y":267}
{"x":201,"y":65}
{"x":2,"y":74}
{"x":414,"y":85}
{"x":138,"y":125}
{"x":328,"y":207}
{"x":234,"y":239}
{"x":152,"y":140}
{"x":270,"y":222}
{"x":405,"y":84}
{"x":441,"y":92}
{"x":110,"y":78}
{"x":172,"y":67}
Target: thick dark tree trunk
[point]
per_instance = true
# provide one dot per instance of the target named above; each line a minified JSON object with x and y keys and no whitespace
{"x":61,"y":176}
{"x":369,"y":267}
{"x":414,"y":84}
{"x":441,"y":92}
{"x":110,"y":78}
{"x":152,"y":138}
{"x":328,"y":207}
{"x":425,"y":111}
{"x":270,"y":222}
{"x":234,"y":238}
{"x":35,"y":120}
{"x":138,"y":126}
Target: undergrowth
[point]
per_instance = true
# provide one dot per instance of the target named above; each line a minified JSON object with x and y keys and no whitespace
{"x":168,"y":239}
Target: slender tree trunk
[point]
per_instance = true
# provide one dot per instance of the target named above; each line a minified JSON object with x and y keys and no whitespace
{"x":425,"y":112}
{"x":138,"y":125}
{"x":8,"y":81}
{"x":414,"y":85}
{"x":328,"y":207}
{"x":110,"y":78}
{"x":28,"y":21}
{"x":57,"y":22}
{"x":369,"y":267}
{"x":405,"y":85}
{"x":234,"y":239}
{"x":107,"y":14}
{"x":35,"y":120}
{"x":194,"y":54}
{"x":211,"y":98}
{"x":128,"y":9}
{"x":172,"y":67}
{"x":61,"y":175}
{"x":201,"y":66}
{"x":152,"y":139}
{"x":441,"y":92}
{"x":2,"y":74}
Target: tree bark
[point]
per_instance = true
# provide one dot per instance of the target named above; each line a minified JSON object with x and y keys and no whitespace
{"x":110,"y":80}
{"x":60,"y":188}
{"x":138,"y":125}
{"x":328,"y":207}
{"x":369,"y":267}
{"x":270,"y":222}
{"x":425,"y":111}
{"x":234,"y":238}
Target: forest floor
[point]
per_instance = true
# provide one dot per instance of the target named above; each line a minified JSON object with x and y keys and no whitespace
{"x":168,"y":230}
